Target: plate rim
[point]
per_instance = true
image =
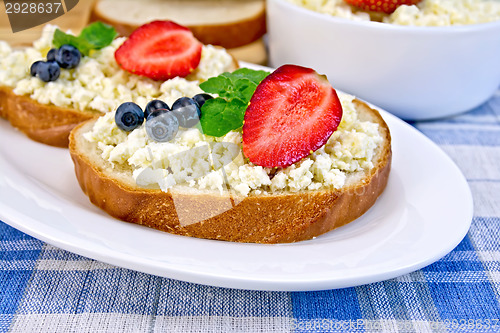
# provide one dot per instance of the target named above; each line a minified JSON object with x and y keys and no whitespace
{"x":146,"y":265}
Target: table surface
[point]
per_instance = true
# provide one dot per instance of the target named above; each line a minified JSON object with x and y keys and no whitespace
{"x":45,"y":289}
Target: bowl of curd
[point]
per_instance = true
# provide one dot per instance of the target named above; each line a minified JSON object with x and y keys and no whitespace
{"x":426,"y":61}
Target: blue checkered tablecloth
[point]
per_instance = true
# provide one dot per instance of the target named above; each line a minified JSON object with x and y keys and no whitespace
{"x":45,"y":289}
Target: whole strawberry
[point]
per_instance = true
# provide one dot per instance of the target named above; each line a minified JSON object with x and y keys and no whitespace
{"x":385,"y":6}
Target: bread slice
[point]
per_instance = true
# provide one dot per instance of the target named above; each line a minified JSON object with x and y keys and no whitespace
{"x":48,"y":124}
{"x":44,"y":123}
{"x":4,"y":98}
{"x":255,"y":52}
{"x":228,"y":23}
{"x":264,"y":218}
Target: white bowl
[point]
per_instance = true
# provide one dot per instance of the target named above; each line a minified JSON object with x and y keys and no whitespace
{"x":415,"y":73}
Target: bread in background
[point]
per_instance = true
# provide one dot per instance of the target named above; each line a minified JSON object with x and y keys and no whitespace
{"x":232,"y":24}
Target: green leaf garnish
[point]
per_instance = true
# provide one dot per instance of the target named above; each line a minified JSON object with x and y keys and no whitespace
{"x":93,"y":37}
{"x":221,"y":116}
{"x":247,"y":73}
{"x":226,"y":112}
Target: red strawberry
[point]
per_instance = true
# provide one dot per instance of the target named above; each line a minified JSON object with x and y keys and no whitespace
{"x":385,"y":6}
{"x":292,"y":113}
{"x":160,"y":50}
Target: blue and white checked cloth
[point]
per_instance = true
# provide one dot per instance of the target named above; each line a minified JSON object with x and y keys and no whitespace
{"x":44,"y":289}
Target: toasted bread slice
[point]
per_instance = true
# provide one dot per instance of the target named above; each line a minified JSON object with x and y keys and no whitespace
{"x":4,"y":98}
{"x":46,"y":123}
{"x":227,"y":23}
{"x":261,"y":218}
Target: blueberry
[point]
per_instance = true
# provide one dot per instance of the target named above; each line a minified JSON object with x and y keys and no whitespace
{"x":162,"y":126}
{"x":34,"y":67}
{"x":68,"y":56}
{"x":51,"y":55}
{"x":200,"y":99}
{"x":153,"y":106}
{"x":129,"y":116}
{"x":187,"y":112}
{"x":48,"y":71}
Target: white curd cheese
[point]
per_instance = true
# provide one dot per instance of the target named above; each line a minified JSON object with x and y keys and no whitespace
{"x":338,"y":8}
{"x":425,"y":13}
{"x":194,"y":159}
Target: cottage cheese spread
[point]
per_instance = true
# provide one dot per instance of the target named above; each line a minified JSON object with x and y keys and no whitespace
{"x":98,"y":83}
{"x":425,"y":13}
{"x":185,"y":160}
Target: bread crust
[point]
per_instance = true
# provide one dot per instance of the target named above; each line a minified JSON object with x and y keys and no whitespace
{"x":276,"y":218}
{"x":228,"y":35}
{"x":48,"y":124}
{"x":4,"y":94}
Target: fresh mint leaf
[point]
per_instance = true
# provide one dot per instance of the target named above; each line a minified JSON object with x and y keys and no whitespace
{"x":245,"y":88}
{"x":93,"y":37}
{"x":250,"y":74}
{"x":219,"y":85}
{"x":61,"y":38}
{"x":99,"y":34}
{"x":220,"y":116}
{"x":226,"y":112}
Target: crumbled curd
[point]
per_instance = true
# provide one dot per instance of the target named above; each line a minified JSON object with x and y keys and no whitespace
{"x":98,"y":83}
{"x":425,"y":13}
{"x":205,"y":162}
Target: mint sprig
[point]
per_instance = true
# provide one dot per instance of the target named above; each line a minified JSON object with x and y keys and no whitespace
{"x":226,"y":112}
{"x":93,"y":37}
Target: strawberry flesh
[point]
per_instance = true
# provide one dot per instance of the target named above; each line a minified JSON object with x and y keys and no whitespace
{"x":292,"y":113}
{"x":160,"y":50}
{"x":384,"y":6}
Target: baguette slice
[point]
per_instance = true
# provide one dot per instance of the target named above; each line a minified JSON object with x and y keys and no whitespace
{"x":270,"y":218}
{"x":227,"y":23}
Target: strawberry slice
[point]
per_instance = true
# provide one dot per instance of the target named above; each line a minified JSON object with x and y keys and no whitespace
{"x":385,"y":6}
{"x":160,"y":50}
{"x":292,"y":113}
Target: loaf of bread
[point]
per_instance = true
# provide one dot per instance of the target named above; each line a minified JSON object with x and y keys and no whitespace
{"x":258,"y":217}
{"x":231,"y":24}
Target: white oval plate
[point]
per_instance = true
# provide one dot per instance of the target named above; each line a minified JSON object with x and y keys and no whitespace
{"x":425,"y":211}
